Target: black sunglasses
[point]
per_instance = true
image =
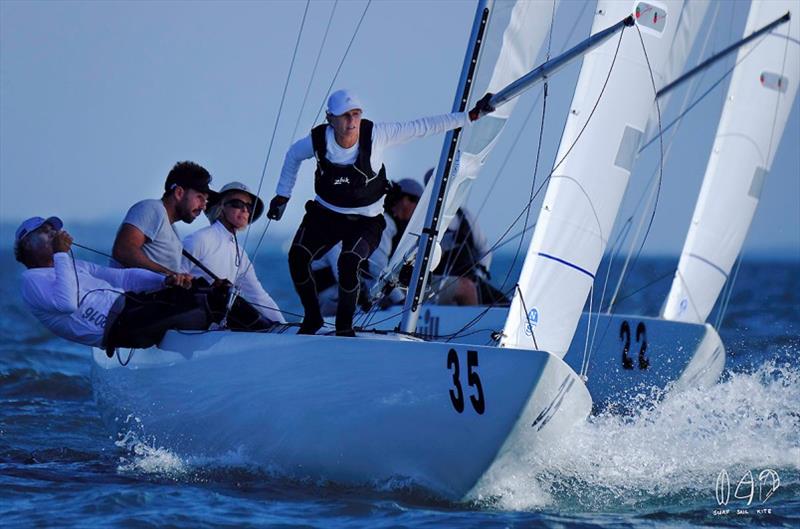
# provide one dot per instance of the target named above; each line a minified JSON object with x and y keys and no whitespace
{"x":240,"y":204}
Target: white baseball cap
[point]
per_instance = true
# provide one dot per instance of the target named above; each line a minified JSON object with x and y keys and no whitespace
{"x":342,"y":101}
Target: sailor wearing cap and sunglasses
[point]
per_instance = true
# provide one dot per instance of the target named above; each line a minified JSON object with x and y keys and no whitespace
{"x":217,"y":246}
{"x":350,"y":185}
{"x":147,"y":238}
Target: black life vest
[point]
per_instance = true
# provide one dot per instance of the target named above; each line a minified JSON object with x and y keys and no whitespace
{"x":353,"y":185}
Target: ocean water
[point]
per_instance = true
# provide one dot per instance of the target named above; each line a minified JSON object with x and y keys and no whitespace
{"x":60,"y":466}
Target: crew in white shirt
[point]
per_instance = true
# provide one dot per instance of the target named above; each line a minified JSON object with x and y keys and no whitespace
{"x":77,"y":300}
{"x":217,"y":247}
{"x":350,"y":185}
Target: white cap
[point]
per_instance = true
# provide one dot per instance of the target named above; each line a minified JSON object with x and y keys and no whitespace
{"x":342,"y":101}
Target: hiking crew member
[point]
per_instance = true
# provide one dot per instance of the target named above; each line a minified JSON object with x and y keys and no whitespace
{"x":350,"y":184}
{"x":81,"y":301}
{"x":217,"y":246}
{"x":147,"y":238}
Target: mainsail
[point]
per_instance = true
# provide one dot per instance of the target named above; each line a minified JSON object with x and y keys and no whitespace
{"x":598,"y":149}
{"x":760,"y":97}
{"x":514,"y":35}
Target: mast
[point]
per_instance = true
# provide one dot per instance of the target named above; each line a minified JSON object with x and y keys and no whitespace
{"x":450,"y":153}
{"x":432,"y":220}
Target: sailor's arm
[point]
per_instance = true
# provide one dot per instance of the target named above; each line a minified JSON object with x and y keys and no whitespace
{"x":300,"y":150}
{"x":128,"y":279}
{"x":128,"y":252}
{"x":403,"y":131}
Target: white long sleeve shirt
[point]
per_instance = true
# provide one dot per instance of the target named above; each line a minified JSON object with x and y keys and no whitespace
{"x":73,"y":301}
{"x":383,"y":135}
{"x":217,"y":249}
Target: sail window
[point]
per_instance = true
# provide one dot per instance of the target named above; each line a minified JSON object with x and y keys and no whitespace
{"x":774,"y":81}
{"x":628,"y":148}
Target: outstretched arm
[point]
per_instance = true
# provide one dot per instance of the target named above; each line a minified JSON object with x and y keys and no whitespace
{"x":403,"y":131}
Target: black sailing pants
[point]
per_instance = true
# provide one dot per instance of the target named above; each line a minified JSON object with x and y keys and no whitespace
{"x":320,"y":231}
{"x":141,"y":320}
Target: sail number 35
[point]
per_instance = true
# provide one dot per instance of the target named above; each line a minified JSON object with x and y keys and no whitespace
{"x":473,"y":380}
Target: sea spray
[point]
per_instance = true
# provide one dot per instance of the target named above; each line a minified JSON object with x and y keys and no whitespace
{"x":668,"y":453}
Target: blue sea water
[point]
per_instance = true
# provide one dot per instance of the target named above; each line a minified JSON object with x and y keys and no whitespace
{"x":60,"y":466}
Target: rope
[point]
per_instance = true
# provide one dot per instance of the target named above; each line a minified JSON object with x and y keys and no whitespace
{"x":587,"y":350}
{"x":695,"y":84}
{"x":533,"y":186}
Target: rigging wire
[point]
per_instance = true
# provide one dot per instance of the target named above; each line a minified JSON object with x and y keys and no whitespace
{"x":263,"y":172}
{"x":314,"y":71}
{"x":531,"y":196}
{"x":536,"y":162}
{"x":687,"y":96}
{"x":677,"y":121}
{"x":588,"y":352}
{"x":339,"y":68}
{"x":541,"y":186}
{"x":724,"y":307}
{"x":272,"y":140}
{"x":501,"y":170}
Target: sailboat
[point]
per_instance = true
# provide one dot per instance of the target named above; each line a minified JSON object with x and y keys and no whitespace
{"x":619,"y":355}
{"x":386,"y":405}
{"x":609,"y":116}
{"x":358,"y":410}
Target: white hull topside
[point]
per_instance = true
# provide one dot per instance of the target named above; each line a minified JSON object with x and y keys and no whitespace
{"x":350,"y":410}
{"x":628,"y":353}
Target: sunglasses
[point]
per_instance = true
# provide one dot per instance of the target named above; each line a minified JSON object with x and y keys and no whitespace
{"x":240,"y":204}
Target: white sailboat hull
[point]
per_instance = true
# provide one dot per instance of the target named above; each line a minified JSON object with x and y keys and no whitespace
{"x":349,"y":410}
{"x":675,"y":355}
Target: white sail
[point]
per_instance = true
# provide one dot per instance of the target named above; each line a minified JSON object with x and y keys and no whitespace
{"x":514,"y":35}
{"x":585,"y":192}
{"x":760,"y":97}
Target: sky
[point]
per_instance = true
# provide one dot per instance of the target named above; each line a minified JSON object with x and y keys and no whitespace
{"x":99,"y":99}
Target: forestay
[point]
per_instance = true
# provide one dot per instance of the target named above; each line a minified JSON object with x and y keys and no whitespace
{"x":760,"y":97}
{"x":583,"y":198}
{"x":514,"y":35}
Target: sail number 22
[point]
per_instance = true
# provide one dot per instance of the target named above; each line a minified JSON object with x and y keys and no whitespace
{"x":473,"y":380}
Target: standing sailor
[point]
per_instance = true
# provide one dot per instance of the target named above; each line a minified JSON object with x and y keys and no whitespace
{"x":348,"y":206}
